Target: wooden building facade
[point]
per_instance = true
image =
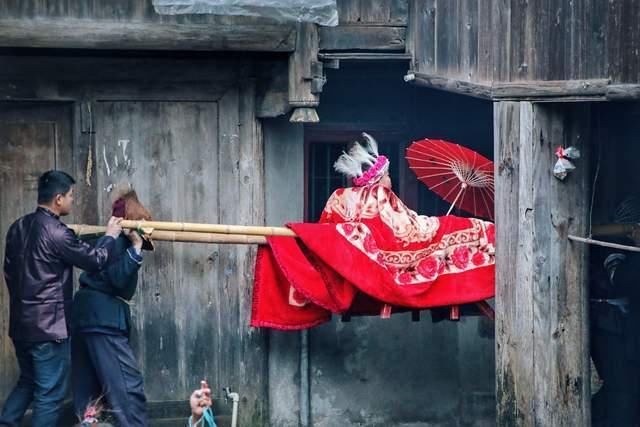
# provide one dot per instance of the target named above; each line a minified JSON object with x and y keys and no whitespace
{"x":195,"y":111}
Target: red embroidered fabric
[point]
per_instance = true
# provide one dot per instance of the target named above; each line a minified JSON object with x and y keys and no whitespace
{"x":370,"y":249}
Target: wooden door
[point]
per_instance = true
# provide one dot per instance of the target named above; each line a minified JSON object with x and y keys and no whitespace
{"x":34,"y":137}
{"x":193,"y":162}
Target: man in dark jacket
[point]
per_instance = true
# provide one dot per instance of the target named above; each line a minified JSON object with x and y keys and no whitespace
{"x":103,"y":363}
{"x":39,"y":257}
{"x":615,"y":321}
{"x":616,"y":343}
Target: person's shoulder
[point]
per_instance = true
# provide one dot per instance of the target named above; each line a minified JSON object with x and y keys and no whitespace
{"x":11,"y":231}
{"x":23,"y":220}
{"x":20,"y":224}
{"x":57,"y":229}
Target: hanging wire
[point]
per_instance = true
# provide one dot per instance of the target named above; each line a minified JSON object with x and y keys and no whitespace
{"x":89,"y":170}
{"x":595,"y":182}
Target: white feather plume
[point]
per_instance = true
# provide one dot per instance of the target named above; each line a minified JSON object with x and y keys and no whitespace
{"x":348,"y":166}
{"x":372,"y":144}
{"x":361,"y":154}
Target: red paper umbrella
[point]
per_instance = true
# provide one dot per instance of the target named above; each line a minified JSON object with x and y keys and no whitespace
{"x":459,"y":175}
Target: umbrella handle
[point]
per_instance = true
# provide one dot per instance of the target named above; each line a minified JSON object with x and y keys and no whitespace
{"x":462,"y":188}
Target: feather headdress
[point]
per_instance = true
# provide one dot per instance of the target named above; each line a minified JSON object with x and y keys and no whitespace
{"x":362,"y":163}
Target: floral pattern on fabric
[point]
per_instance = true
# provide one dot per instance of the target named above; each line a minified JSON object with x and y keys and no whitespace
{"x":429,"y":257}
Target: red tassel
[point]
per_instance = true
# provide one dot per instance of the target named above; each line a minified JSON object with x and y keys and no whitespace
{"x":385,"y":313}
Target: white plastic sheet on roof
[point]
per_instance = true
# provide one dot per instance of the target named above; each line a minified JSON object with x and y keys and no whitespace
{"x":322,"y":12}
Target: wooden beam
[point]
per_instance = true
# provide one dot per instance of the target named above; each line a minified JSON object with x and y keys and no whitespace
{"x":102,"y":34}
{"x":357,"y":37}
{"x":460,"y":87}
{"x":542,"y":348}
{"x":623,"y":92}
{"x":365,"y":56}
{"x":111,"y":91}
{"x":74,"y":69}
{"x":534,"y":90}
{"x":537,"y":91}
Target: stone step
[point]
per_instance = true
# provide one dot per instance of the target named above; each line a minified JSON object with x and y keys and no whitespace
{"x":161,"y":414}
{"x":221,"y":421}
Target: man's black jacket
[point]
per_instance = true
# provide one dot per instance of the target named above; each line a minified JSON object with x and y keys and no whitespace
{"x":39,"y":257}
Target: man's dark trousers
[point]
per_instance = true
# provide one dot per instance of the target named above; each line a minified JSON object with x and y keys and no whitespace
{"x":107,"y":359}
{"x":44,"y":368}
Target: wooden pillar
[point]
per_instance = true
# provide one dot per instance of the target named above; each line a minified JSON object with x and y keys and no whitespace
{"x":542,"y":351}
{"x":305,"y":76}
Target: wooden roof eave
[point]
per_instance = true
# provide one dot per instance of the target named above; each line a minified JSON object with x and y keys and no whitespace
{"x":538,"y":91}
{"x":79,"y":33}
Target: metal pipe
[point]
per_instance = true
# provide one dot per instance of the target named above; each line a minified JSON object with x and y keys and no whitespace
{"x":235,"y":398}
{"x":305,"y":389}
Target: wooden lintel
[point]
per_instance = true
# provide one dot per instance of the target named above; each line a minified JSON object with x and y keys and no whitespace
{"x":365,"y":56}
{"x":525,"y":90}
{"x":355,"y":37}
{"x":101,"y":34}
{"x":19,"y":90}
{"x":450,"y":85}
{"x":534,"y":91}
{"x":623,"y":92}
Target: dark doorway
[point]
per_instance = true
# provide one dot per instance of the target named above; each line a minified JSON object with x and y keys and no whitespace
{"x":374,"y":99}
{"x":613,"y":280}
{"x":388,"y":372}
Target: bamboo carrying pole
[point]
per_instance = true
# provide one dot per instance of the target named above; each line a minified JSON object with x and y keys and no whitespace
{"x":188,"y":236}
{"x":232,"y":235}
{"x":209,"y":228}
{"x":190,"y":227}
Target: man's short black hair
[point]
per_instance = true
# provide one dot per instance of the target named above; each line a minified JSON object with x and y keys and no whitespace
{"x":52,"y":183}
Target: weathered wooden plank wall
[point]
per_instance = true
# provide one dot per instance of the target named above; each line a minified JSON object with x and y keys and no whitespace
{"x":542,"y":353}
{"x":382,"y":13}
{"x":195,"y":157}
{"x":197,"y":162}
{"x":367,"y":25}
{"x":510,"y":40}
{"x":154,"y":77}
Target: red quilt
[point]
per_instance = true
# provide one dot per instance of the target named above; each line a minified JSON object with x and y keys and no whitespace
{"x":370,"y":249}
